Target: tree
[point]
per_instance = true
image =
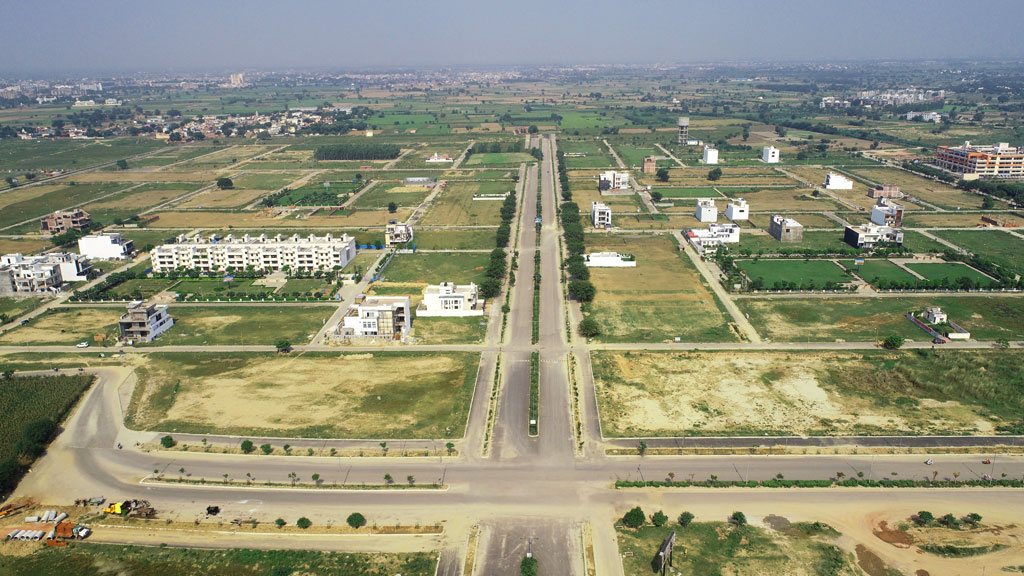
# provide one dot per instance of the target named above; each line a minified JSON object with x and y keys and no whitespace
{"x":685,"y":518}
{"x":988,"y":203}
{"x":167,"y":442}
{"x":532,"y":129}
{"x":450,"y":447}
{"x":738,"y":518}
{"x":392,"y":207}
{"x":635,"y":518}
{"x":656,"y":196}
{"x":489,"y":288}
{"x":924,"y":518}
{"x":247,"y":446}
{"x":316,"y":478}
{"x":356,"y":520}
{"x":641,"y":448}
{"x":528,"y":567}
{"x":266,"y":448}
{"x":410,"y":479}
{"x":893,"y":342}
{"x":661,"y":174}
{"x":973,"y":518}
{"x":225,"y":183}
{"x":388,"y":479}
{"x":280,"y":522}
{"x":714,"y":174}
{"x":582,"y":290}
{"x":283,"y":345}
{"x":659,"y":518}
{"x":122,"y":164}
{"x":303,"y":523}
{"x":589,"y":328}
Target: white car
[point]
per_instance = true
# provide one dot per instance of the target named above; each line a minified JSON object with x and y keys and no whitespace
{"x":82,"y":345}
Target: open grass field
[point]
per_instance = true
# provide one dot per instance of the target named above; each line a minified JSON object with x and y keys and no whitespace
{"x":379,"y":395}
{"x":14,"y":307}
{"x":138,"y":199}
{"x":261,"y":219}
{"x":800,"y":272}
{"x":963,"y":220}
{"x":150,"y":561}
{"x":866,"y":319}
{"x":23,"y":245}
{"x":586,"y":154}
{"x":784,"y":199}
{"x":384,"y":193}
{"x":216,"y":288}
{"x":878,"y":269}
{"x":937,"y":193}
{"x":998,"y":246}
{"x":437,"y":267}
{"x":217,"y":198}
{"x":26,"y":399}
{"x":242,"y":325}
{"x":138,"y":288}
{"x":732,"y":176}
{"x":762,"y":243}
{"x":456,"y":239}
{"x":455,"y":206}
{"x":498,"y":160}
{"x":222,"y":159}
{"x":951,"y":271}
{"x":678,"y":192}
{"x":450,"y":330}
{"x":33,"y":202}
{"x":809,"y":220}
{"x":716,"y":548}
{"x":21,"y":155}
{"x":922,"y":392}
{"x":67,"y":326}
{"x":662,"y":298}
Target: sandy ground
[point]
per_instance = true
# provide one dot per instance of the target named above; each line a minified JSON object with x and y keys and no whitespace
{"x":80,"y":324}
{"x":257,"y":219}
{"x":667,"y":394}
{"x":130,"y":176}
{"x":216,"y":198}
{"x":139,"y":200}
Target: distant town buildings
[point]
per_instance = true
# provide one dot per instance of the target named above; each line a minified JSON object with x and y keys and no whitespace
{"x":450,"y":300}
{"x":144,"y":322}
{"x":650,"y":165}
{"x":710,"y":155}
{"x":378,"y":316}
{"x":258,"y":252}
{"x":237,"y":80}
{"x":397,"y":233}
{"x":885,"y":191}
{"x":885,"y":212}
{"x":785,"y":229}
{"x":683,"y":124}
{"x":925,"y":116}
{"x":41,"y":274}
{"x":835,"y":181}
{"x":436,"y":158}
{"x":707,"y":241}
{"x":870,"y":235}
{"x":972,"y":162}
{"x":833,"y":102}
{"x":706,"y":210}
{"x":600,"y":215}
{"x":613,"y":180}
{"x":609,"y":260}
{"x":899,"y":97}
{"x":737,"y":210}
{"x":770,"y":155}
{"x":62,"y":221}
{"x":106,"y":246}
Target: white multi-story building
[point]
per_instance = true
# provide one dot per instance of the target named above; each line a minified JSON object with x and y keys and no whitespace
{"x":600,"y":215}
{"x":868,"y":235}
{"x":106,"y":246}
{"x":925,"y":116}
{"x":707,"y":241}
{"x":397,"y":233}
{"x":935,"y":315}
{"x":710,"y":155}
{"x":142,"y":323}
{"x":835,"y":181}
{"x":45,"y":273}
{"x":737,"y":210}
{"x":450,"y":299}
{"x":885,"y":212}
{"x":706,"y":210}
{"x":259,"y":252}
{"x":972,"y":162}
{"x":612,"y":179}
{"x":609,"y":260}
{"x":379,"y":317}
{"x":770,"y":154}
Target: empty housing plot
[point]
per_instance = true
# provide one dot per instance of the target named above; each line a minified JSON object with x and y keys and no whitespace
{"x":785,"y":199}
{"x":662,"y":298}
{"x":938,"y":193}
{"x":798,"y":272}
{"x":998,"y":246}
{"x":455,"y":205}
{"x":384,"y":193}
{"x":949,"y":271}
{"x":67,"y":326}
{"x":805,"y":393}
{"x":871,"y":319}
{"x":877,"y":270}
{"x":379,"y":395}
{"x":455,"y":239}
{"x":242,"y":325}
{"x":437,"y":267}
{"x":589,"y":154}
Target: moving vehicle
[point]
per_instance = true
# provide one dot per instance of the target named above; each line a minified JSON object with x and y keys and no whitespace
{"x":929,"y":462}
{"x":82,"y":345}
{"x":986,"y":461}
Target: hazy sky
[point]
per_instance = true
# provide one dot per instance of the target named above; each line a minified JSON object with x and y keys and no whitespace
{"x":56,"y":36}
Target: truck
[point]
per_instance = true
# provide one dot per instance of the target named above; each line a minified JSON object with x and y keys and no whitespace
{"x":131,"y":509}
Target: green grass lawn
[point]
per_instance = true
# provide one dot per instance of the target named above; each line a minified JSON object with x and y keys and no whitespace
{"x":138,"y":288}
{"x":451,"y":330}
{"x":200,"y":325}
{"x":308,"y":286}
{"x":823,"y":240}
{"x":879,"y":269}
{"x":864,"y":319}
{"x":998,"y":246}
{"x":951,"y":271}
{"x":434,"y":268}
{"x":216,"y":288}
{"x":382,"y":194}
{"x":495,"y":160}
{"x":799,"y":272}
{"x":85,"y":558}
{"x":456,"y":239}
{"x":14,"y":307}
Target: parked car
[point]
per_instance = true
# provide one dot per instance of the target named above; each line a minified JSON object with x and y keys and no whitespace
{"x":82,"y":345}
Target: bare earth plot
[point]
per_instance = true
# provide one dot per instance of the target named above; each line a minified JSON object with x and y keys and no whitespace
{"x":263,"y":219}
{"x":67,"y":326}
{"x":930,"y":191}
{"x":379,"y":395}
{"x":455,"y":206}
{"x":663,"y":297}
{"x":812,"y":393}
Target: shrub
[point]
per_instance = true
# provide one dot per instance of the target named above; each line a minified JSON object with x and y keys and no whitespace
{"x":659,"y":518}
{"x":167,"y":441}
{"x":303,"y":522}
{"x":924,"y":517}
{"x":685,"y":518}
{"x":528,"y":567}
{"x":893,"y":342}
{"x":280,"y":522}
{"x":356,"y":520}
{"x":635,"y":518}
{"x":589,"y":328}
{"x":266,"y":448}
{"x":738,"y":518}
{"x":247,"y":446}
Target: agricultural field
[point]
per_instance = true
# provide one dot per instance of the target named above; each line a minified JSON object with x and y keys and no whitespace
{"x":732,"y":176}
{"x":456,"y":239}
{"x":316,"y":193}
{"x":951,"y":271}
{"x":455,"y":206}
{"x":86,"y":558}
{"x":67,"y":327}
{"x":137,"y":199}
{"x":263,"y":219}
{"x":801,"y":549}
{"x":874,"y":270}
{"x":30,"y":398}
{"x":662,"y":298}
{"x":924,"y":392}
{"x":867,"y":319}
{"x":799,"y":272}
{"x":437,"y":267}
{"x":383,"y":193}
{"x":242,"y":325}
{"x":586,"y":154}
{"x":673,"y":192}
{"x":34,"y":201}
{"x":998,"y":246}
{"x":22,"y":155}
{"x":379,"y":395}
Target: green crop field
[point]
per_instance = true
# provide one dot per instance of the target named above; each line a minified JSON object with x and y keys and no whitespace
{"x":30,"y":398}
{"x":434,"y":268}
{"x":951,"y":271}
{"x":47,"y":198}
{"x":1000,"y":247}
{"x":676,"y":192}
{"x":879,"y":269}
{"x":70,"y":154}
{"x":799,"y":272}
